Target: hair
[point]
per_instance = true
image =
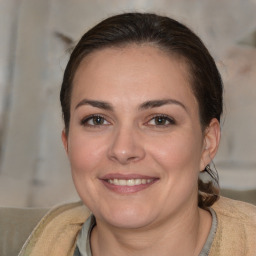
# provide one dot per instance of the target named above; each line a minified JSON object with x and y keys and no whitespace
{"x":173,"y":37}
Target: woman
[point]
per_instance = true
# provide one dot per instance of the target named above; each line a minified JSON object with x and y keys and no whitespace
{"x":142,"y":99}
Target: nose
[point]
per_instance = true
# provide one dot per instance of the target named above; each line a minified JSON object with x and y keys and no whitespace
{"x":126,"y":146}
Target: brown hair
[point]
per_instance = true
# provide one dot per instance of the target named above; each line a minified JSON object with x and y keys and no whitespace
{"x":173,"y":37}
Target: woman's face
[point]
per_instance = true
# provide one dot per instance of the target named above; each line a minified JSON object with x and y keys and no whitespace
{"x":135,"y":143}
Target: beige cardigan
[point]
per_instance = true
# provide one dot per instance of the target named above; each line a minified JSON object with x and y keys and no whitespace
{"x":56,"y":233}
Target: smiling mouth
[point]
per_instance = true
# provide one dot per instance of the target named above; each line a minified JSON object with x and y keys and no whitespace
{"x":129,"y":182}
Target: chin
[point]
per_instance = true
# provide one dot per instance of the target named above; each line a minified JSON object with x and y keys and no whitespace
{"x":128,"y":218}
{"x":129,"y":222}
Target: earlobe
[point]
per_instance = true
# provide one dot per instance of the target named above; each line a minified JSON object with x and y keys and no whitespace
{"x":64,"y":140}
{"x":211,"y":143}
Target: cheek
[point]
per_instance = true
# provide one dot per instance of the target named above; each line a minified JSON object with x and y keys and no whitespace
{"x":84,"y":154}
{"x":178,"y":151}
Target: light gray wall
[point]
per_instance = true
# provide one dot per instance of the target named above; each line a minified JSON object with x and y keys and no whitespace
{"x":33,"y":167}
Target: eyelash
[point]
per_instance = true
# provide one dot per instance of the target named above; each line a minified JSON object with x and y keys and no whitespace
{"x":85,"y":121}
{"x":164,"y":117}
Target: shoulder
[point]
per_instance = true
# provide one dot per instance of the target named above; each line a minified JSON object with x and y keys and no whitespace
{"x":237,"y":210}
{"x":56,"y":233}
{"x":236,"y":231}
{"x":75,"y":212}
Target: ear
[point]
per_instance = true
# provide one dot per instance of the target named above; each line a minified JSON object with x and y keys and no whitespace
{"x":64,"y":139}
{"x":211,"y":143}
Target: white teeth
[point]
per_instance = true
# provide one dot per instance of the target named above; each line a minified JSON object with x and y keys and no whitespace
{"x":137,"y":181}
{"x":122,"y":182}
{"x":130,"y":182}
{"x":143,"y":181}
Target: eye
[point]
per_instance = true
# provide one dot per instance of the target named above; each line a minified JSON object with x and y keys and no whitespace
{"x":161,"y":120}
{"x":94,"y":120}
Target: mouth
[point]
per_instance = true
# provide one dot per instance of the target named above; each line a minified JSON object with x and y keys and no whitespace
{"x":129,"y":182}
{"x":125,"y":184}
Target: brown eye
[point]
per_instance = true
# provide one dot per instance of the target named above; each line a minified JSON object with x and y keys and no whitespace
{"x":95,"y":120}
{"x":161,"y":121}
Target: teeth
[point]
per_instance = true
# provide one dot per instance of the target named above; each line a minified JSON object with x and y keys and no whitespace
{"x":130,"y":182}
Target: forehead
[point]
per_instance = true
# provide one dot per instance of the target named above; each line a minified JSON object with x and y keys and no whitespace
{"x":138,"y":69}
{"x":132,"y":55}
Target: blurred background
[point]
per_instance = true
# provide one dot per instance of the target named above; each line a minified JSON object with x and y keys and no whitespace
{"x":35,"y":36}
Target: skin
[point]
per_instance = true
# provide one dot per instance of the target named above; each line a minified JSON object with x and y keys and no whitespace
{"x":161,"y":218}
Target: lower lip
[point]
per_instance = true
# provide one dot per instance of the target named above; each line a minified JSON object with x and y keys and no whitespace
{"x":127,"y":189}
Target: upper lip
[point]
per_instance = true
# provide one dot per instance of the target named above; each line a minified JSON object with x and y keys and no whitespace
{"x":120,"y":176}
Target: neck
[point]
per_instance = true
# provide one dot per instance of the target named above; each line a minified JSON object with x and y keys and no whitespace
{"x":184,"y":233}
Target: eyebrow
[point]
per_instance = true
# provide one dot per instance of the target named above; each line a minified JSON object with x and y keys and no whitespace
{"x":159,"y":103}
{"x":95,"y":103}
{"x":146,"y":105}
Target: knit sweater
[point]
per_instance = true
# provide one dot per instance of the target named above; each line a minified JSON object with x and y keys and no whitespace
{"x":56,"y":233}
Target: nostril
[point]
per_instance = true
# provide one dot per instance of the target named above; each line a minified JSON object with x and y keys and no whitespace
{"x":126,"y":146}
{"x":123,"y":158}
{"x":127,"y":156}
